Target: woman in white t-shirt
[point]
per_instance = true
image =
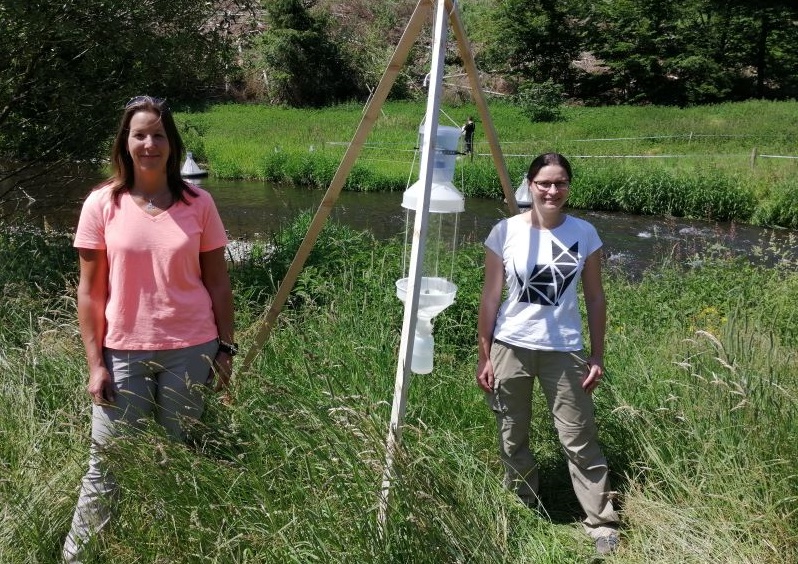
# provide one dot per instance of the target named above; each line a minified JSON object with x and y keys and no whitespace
{"x":536,"y":332}
{"x":155,"y":306}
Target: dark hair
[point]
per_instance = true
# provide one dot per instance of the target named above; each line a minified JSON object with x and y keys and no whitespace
{"x":122,"y":163}
{"x":548,"y":159}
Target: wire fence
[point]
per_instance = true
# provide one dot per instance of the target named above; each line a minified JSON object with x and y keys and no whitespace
{"x":752,"y":156}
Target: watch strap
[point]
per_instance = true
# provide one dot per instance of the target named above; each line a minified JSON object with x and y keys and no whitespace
{"x":228,"y":348}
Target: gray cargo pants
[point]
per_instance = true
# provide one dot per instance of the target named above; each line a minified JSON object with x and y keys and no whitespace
{"x":168,"y":384}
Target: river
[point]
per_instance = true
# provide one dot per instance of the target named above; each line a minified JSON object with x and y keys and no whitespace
{"x":252,"y":209}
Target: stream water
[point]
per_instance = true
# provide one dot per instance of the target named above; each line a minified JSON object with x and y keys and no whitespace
{"x":251,"y":209}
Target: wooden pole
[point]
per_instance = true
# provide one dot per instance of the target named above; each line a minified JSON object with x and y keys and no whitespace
{"x":420,"y":14}
{"x":373,"y":108}
{"x":371,"y":113}
{"x":482,"y":106}
{"x":416,"y":263}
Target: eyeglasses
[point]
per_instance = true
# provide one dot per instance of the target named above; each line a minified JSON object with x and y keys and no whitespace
{"x":144,"y":100}
{"x":559,"y":185}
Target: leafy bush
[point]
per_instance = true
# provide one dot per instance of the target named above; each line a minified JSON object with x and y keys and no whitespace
{"x":192,"y":133}
{"x":274,"y":166}
{"x":542,"y":101}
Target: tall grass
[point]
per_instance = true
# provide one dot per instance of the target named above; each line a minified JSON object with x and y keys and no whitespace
{"x":707,"y":405}
{"x":697,"y":419}
{"x":694,"y":162}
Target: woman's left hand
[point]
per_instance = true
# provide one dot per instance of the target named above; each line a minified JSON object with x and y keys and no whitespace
{"x":594,"y":375}
{"x":223,"y":370}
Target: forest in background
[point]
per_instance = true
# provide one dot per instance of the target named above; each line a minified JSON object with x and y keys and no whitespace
{"x":675,"y":52}
{"x":67,"y":68}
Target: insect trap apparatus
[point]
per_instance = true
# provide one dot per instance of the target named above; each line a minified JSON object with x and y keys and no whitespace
{"x":436,"y":291}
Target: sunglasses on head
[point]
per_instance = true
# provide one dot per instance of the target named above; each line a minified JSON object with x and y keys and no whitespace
{"x":142,"y":100}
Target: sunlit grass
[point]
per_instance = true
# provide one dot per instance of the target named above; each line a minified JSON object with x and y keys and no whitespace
{"x":697,"y":418}
{"x":713,"y":162}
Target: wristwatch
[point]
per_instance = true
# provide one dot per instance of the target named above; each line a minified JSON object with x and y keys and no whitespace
{"x":228,"y":348}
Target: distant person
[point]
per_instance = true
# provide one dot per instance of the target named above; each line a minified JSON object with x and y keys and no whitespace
{"x":536,"y":332}
{"x":468,"y":131}
{"x":155,"y":306}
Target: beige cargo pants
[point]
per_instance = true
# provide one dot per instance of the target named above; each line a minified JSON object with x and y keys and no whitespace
{"x":571,"y":408}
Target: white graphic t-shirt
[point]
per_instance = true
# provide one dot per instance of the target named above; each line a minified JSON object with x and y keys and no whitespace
{"x":542,"y":270}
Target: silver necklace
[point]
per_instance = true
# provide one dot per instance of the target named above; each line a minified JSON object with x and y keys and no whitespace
{"x":151,"y":205}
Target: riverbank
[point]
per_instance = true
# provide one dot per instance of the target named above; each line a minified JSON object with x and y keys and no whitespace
{"x":727,"y":162}
{"x":697,"y":417}
{"x":257,"y":210}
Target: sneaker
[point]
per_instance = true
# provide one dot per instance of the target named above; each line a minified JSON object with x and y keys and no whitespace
{"x":607,"y":544}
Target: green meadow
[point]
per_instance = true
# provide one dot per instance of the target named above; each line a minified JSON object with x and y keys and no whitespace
{"x":727,"y":162}
{"x":697,"y":418}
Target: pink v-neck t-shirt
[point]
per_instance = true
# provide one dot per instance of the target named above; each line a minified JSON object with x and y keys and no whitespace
{"x":156,"y":298}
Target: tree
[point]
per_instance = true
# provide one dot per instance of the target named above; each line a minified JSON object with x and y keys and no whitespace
{"x":67,"y":68}
{"x":534,"y":41}
{"x":773,"y":50}
{"x":302,"y":66}
{"x":366,"y":33}
{"x":695,"y":51}
{"x":635,"y":39}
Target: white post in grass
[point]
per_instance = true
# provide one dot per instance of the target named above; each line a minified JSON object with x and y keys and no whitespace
{"x":416,"y":259}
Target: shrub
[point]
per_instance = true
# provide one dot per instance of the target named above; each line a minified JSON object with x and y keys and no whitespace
{"x":541,"y":102}
{"x":192,"y":132}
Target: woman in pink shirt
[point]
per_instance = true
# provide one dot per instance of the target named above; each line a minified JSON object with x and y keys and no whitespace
{"x":155,"y":306}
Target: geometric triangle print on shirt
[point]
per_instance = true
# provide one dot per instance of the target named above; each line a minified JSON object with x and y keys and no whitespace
{"x":547,"y":283}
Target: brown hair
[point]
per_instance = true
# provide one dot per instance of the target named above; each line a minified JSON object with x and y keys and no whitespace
{"x":122,"y":163}
{"x":548,"y":159}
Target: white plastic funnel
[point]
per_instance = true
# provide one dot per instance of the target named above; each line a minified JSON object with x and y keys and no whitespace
{"x":435,"y":295}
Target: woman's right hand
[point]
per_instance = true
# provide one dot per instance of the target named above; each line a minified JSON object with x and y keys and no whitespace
{"x":485,"y":375}
{"x":101,"y":386}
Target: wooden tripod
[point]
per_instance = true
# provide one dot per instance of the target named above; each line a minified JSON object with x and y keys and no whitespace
{"x":421,"y":13}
